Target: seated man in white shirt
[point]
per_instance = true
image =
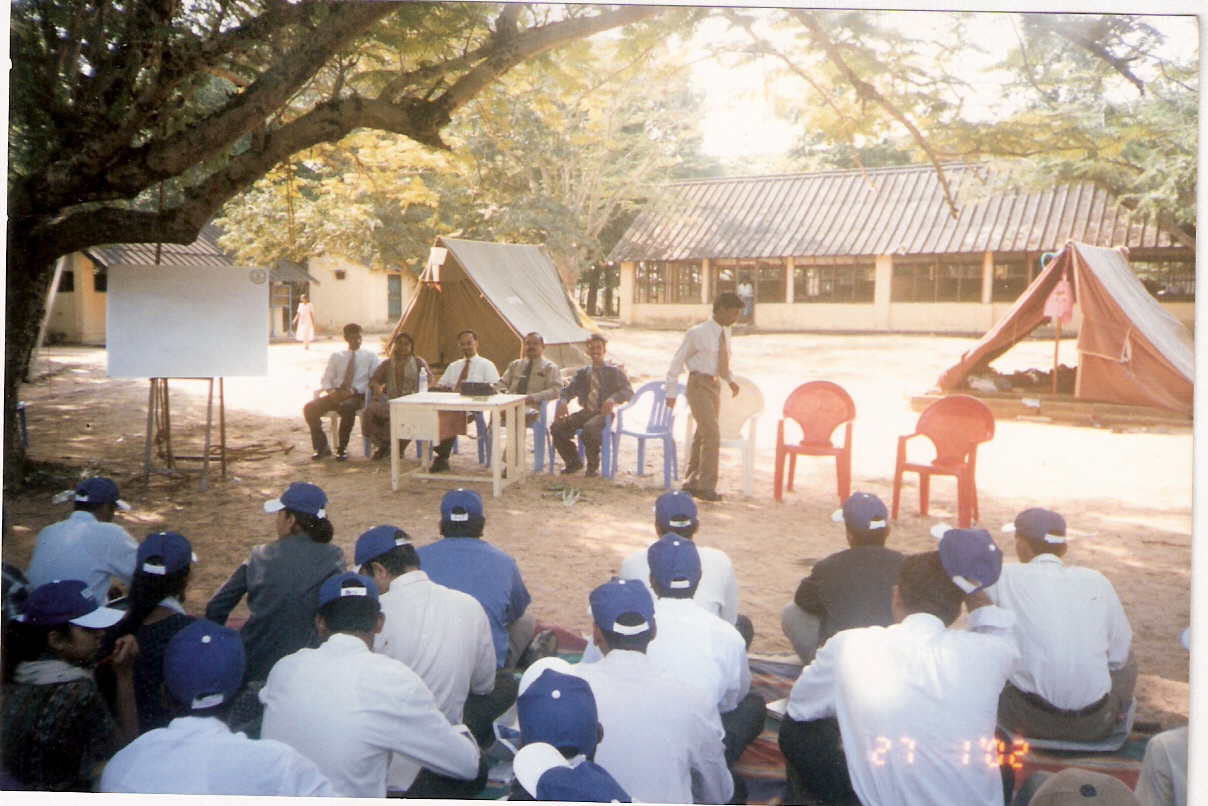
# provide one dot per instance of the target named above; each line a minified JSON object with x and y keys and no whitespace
{"x":443,"y":635}
{"x":662,"y":739}
{"x":470,"y":367}
{"x":905,"y":715}
{"x":197,"y":754}
{"x":343,"y":390}
{"x":675,"y":512}
{"x":699,"y":647}
{"x":348,"y":709}
{"x":1076,"y":675}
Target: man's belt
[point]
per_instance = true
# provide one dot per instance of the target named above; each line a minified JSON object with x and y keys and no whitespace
{"x":703,"y":376}
{"x":1042,"y":704}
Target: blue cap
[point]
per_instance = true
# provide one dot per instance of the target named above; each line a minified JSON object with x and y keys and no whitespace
{"x":377,"y":541}
{"x":300,"y":497}
{"x":970,"y":558}
{"x":99,"y":490}
{"x":1038,"y":524}
{"x":674,"y":562}
{"x":862,"y":512}
{"x":675,"y":508}
{"x":559,"y":709}
{"x":172,"y":550}
{"x":546,"y":775}
{"x":203,"y":665}
{"x":67,"y":601}
{"x":617,"y":597}
{"x":459,"y":505}
{"x":344,"y":585}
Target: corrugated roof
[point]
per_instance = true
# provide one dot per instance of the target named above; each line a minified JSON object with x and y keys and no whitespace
{"x":879,"y":211}
{"x":202,"y":252}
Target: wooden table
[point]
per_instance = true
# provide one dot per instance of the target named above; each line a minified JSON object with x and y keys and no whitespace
{"x":417,"y":417}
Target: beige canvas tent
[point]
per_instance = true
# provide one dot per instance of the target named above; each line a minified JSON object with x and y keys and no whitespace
{"x":501,"y":292}
{"x":1130,"y":350}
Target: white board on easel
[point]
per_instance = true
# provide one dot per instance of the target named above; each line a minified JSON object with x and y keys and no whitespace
{"x":186,"y":321}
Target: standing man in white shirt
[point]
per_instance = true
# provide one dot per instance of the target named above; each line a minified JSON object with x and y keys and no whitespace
{"x":470,"y":367}
{"x":705,"y":353}
{"x":348,"y":709}
{"x":906,"y":715}
{"x":343,"y":390}
{"x":88,"y":546}
{"x":662,"y":739}
{"x":1076,"y":675}
{"x":197,"y":754}
{"x":443,"y":635}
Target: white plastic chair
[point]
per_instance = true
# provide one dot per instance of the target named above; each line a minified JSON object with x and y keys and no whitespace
{"x":738,"y":421}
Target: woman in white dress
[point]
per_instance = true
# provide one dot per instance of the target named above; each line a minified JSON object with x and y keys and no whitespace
{"x":304,"y":322}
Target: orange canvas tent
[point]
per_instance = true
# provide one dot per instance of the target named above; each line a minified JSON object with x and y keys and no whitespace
{"x":1130,"y":350}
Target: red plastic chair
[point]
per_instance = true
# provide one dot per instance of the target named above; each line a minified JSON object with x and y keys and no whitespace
{"x":818,"y":408}
{"x":956,"y":425}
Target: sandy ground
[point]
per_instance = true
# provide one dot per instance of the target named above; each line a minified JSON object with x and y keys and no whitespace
{"x":1127,"y":494}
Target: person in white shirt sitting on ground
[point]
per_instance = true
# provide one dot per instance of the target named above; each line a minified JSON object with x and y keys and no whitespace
{"x":197,"y":754}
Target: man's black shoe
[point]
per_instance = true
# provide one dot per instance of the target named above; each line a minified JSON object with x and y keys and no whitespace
{"x":381,"y":453}
{"x":341,"y":455}
{"x":322,"y":453}
{"x":569,"y":469}
{"x":706,"y":495}
{"x":592,"y":472}
{"x":439,"y":465}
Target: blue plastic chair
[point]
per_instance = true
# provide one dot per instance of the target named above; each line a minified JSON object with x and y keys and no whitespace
{"x":650,"y":401}
{"x":543,"y":443}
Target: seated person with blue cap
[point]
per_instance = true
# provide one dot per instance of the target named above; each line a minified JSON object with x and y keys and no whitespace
{"x":88,"y":545}
{"x":663,"y":740}
{"x":197,"y":754}
{"x":1076,"y":675}
{"x":348,"y":709}
{"x":850,"y":588}
{"x":443,"y":635}
{"x":906,"y":714}
{"x":557,"y":711}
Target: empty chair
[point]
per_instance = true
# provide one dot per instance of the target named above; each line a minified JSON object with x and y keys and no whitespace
{"x":955,"y":425}
{"x":649,"y":402}
{"x":817,"y":408}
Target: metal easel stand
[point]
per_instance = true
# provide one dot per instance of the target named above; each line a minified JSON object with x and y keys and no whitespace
{"x":159,"y":432}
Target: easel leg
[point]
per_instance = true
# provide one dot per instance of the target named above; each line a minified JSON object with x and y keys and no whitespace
{"x":148,"y":435}
{"x":221,"y":429}
{"x":205,"y":454}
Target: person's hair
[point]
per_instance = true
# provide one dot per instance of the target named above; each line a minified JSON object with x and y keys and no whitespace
{"x":350,"y":614}
{"x":868,"y":537}
{"x":686,"y":532}
{"x":471,"y":528}
{"x":22,"y":642}
{"x":540,"y":338}
{"x":402,"y":335}
{"x":600,"y":337}
{"x":924,"y":587}
{"x":398,"y":559}
{"x":1043,"y":546}
{"x":147,"y":591}
{"x":317,"y":529}
{"x":674,"y":593}
{"x":304,"y":296}
{"x":727,"y":300}
{"x":464,"y":332}
{"x":352,"y":327}
{"x":633,"y":643}
{"x":87,"y":506}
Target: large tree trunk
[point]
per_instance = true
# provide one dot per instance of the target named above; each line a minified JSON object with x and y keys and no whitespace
{"x":28,"y":284}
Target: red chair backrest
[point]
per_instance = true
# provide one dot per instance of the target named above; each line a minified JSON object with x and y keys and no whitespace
{"x":956,"y":424}
{"x":818,"y":408}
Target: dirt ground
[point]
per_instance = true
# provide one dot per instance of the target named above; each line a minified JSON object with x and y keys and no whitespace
{"x":1126,"y":493}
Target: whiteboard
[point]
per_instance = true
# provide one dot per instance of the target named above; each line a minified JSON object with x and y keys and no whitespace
{"x":186,"y":321}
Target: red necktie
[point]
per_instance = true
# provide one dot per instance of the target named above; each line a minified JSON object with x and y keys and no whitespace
{"x":465,"y":370}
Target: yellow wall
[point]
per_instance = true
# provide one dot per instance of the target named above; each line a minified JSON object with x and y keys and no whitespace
{"x":360,"y":297}
{"x":78,"y":317}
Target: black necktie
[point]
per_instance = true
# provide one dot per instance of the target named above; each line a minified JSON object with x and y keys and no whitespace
{"x":522,"y":389}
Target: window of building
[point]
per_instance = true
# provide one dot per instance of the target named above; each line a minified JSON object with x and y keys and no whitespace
{"x":66,"y":282}
{"x":341,"y":274}
{"x":769,"y":279}
{"x":1012,"y":276}
{"x":938,"y":278}
{"x":667,"y":282}
{"x":1169,"y":280}
{"x":100,"y":280}
{"x":846,"y":282}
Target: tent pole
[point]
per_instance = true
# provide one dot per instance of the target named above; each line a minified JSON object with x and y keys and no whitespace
{"x":1056,"y":346}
